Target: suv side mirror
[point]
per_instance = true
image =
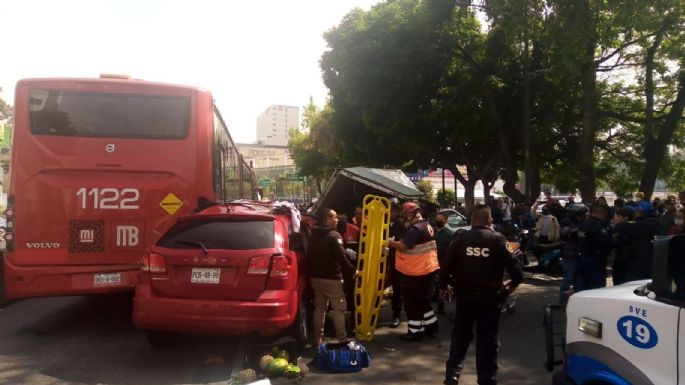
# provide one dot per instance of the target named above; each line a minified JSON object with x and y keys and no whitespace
{"x":668,"y":268}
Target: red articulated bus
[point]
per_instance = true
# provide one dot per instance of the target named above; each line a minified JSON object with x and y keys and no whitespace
{"x":100,"y":169}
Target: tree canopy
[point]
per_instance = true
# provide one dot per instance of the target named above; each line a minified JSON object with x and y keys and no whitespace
{"x":572,"y":93}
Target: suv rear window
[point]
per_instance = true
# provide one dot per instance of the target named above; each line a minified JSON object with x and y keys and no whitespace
{"x":218,"y":234}
{"x":106,"y":115}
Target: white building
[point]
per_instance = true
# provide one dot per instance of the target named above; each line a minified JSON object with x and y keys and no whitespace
{"x":273,"y":125}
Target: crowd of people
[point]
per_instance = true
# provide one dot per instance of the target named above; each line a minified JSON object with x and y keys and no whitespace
{"x":597,"y":238}
{"x":424,"y":257}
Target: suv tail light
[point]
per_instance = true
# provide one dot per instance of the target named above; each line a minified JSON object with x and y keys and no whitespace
{"x":153,"y":263}
{"x":10,"y":223}
{"x":277,"y":264}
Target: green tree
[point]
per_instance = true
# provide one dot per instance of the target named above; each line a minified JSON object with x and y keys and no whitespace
{"x":426,"y":187}
{"x":400,"y":90}
{"x":313,"y":150}
{"x":446,"y":198}
{"x":6,"y":112}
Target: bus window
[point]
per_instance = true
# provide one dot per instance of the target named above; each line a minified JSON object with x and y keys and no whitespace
{"x":67,"y":113}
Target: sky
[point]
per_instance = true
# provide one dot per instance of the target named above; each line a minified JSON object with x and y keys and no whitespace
{"x":250,"y":53}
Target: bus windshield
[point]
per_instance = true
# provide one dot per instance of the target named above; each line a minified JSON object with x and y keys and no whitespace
{"x":90,"y":114}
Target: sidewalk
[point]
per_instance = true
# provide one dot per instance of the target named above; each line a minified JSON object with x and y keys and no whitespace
{"x":399,"y":362}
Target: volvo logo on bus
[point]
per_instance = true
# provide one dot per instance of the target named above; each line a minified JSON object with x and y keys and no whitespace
{"x":109,"y":147}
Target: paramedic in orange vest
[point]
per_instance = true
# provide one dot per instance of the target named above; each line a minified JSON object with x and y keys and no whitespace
{"x":416,"y":259}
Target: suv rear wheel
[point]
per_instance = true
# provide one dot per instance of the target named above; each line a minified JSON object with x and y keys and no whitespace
{"x":300,"y":330}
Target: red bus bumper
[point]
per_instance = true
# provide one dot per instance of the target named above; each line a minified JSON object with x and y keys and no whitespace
{"x":42,"y":281}
{"x":271,"y":314}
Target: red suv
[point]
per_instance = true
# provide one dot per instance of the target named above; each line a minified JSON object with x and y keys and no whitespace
{"x":233,"y":269}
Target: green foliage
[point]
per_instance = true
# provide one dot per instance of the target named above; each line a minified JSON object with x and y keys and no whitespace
{"x":426,"y":187}
{"x":447,"y":198}
{"x":673,"y":170}
{"x":6,"y":111}
{"x":424,"y":83}
{"x":313,"y":150}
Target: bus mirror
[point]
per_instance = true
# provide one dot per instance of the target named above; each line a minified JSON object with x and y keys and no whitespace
{"x":668,"y":268}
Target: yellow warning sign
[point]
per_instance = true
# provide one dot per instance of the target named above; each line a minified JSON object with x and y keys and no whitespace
{"x":171,"y":203}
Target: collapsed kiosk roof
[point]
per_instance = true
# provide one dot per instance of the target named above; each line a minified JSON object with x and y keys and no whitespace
{"x":348,"y":186}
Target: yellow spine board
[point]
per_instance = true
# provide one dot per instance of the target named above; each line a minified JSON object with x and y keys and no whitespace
{"x":371,"y":263}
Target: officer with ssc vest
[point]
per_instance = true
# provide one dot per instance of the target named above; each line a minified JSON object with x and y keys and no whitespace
{"x":477,"y":259}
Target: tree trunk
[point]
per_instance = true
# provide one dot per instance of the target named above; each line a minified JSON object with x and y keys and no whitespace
{"x":535,"y":180}
{"x":655,"y":149}
{"x":588,"y":80}
{"x":469,"y":186}
{"x":487,"y":187}
{"x":525,"y":121}
{"x":469,"y":195}
{"x":658,"y":137}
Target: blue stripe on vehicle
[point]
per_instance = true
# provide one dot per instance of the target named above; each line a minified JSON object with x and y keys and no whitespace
{"x":583,"y":369}
{"x":614,"y":362}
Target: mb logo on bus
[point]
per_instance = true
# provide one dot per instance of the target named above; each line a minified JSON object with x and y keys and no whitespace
{"x":127,"y":236}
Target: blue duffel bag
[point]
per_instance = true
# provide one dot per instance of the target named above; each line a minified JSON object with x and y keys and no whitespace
{"x":342,"y":357}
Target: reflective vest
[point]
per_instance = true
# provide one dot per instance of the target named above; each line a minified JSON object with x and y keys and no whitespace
{"x":422,"y":259}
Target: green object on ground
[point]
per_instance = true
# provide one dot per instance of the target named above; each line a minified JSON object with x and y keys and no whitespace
{"x":277,"y":367}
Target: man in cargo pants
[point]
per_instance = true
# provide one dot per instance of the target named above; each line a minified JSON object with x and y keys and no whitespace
{"x":327,"y":263}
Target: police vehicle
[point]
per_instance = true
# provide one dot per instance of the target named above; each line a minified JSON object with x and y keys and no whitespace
{"x":631,"y":334}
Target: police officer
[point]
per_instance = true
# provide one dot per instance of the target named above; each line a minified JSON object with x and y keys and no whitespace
{"x":569,"y":250}
{"x":477,"y":259}
{"x":594,"y":246}
{"x":416,"y":260}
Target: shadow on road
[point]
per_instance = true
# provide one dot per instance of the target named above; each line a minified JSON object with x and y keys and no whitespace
{"x":91,"y":340}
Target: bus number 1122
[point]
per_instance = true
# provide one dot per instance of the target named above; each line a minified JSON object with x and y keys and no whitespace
{"x":109,"y":198}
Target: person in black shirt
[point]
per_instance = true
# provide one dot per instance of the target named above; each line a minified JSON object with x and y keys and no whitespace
{"x":477,"y":258}
{"x":327,"y":264}
{"x":594,"y":247}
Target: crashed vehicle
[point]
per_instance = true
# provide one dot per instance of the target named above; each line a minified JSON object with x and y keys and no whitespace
{"x":233,"y":269}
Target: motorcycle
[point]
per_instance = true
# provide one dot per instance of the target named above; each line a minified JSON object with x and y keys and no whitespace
{"x":549,"y":258}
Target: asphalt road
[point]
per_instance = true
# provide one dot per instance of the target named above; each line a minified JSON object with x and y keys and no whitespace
{"x":90,"y":340}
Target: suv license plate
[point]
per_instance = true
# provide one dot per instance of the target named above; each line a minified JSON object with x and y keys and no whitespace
{"x":211,"y":276}
{"x":107,"y":279}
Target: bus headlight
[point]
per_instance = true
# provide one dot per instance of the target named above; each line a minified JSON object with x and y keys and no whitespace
{"x":590,"y":326}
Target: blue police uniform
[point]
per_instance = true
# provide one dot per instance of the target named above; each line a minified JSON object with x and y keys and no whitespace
{"x":477,"y":259}
{"x":594,"y":247}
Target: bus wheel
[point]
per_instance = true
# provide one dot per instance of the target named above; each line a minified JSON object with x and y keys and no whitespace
{"x":159,"y":340}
